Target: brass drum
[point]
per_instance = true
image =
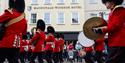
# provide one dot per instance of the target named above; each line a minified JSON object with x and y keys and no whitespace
{"x":91,"y":23}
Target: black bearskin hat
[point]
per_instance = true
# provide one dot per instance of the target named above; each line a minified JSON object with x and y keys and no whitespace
{"x":61,"y":35}
{"x":19,"y":5}
{"x":50,"y":29}
{"x":41,"y":25}
{"x":116,"y":2}
{"x":11,"y":3}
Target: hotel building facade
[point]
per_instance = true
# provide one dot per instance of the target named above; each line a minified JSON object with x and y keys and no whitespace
{"x":66,"y":16}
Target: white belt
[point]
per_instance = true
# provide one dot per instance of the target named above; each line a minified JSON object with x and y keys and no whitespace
{"x":49,"y":42}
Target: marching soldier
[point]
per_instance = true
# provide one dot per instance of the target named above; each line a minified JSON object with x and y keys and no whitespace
{"x":89,"y":54}
{"x":61,"y":41}
{"x":99,"y":47}
{"x":49,"y":43}
{"x":115,"y":30}
{"x":29,"y":51}
{"x":38,"y":42}
{"x":15,"y":27}
{"x":56,"y":49}
{"x":23,"y":48}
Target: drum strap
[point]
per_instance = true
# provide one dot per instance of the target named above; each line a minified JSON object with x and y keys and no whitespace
{"x":15,"y":19}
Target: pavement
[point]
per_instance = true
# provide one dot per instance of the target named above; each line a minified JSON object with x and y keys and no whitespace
{"x":63,"y":62}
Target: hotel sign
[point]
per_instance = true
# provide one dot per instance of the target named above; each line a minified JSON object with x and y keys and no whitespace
{"x":57,"y":7}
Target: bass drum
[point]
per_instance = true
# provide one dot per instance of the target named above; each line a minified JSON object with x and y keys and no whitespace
{"x":84,"y":41}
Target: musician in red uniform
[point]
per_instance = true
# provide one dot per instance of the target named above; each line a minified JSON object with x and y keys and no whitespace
{"x":56,"y":49}
{"x":29,"y":51}
{"x":23,"y":49}
{"x":38,"y":42}
{"x":89,"y":56}
{"x":10,"y":43}
{"x":99,"y":47}
{"x":49,"y":43}
{"x":61,"y":41}
{"x":115,"y":30}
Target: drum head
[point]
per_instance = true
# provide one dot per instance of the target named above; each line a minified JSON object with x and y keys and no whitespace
{"x":93,"y":23}
{"x":84,"y":41}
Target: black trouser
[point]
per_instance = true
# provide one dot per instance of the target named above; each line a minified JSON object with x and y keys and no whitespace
{"x":49,"y":56}
{"x":99,"y":56}
{"x":65,"y":54}
{"x":79,"y":59}
{"x":61,"y":56}
{"x":29,"y":54}
{"x":34,"y":55}
{"x":56,"y":57}
{"x":116,"y":55}
{"x":89,"y":57}
{"x":11,"y":54}
{"x":2,"y":55}
{"x":22,"y":57}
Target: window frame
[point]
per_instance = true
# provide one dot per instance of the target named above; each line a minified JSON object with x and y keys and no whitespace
{"x":92,"y":1}
{"x":75,"y":17}
{"x":60,"y":2}
{"x":0,"y":9}
{"x":47,"y":3}
{"x":34,"y":2}
{"x":47,"y":18}
{"x":60,"y":17}
{"x":74,"y":1}
{"x":32,"y":18}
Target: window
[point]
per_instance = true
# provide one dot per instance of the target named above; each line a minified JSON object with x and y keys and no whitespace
{"x":94,"y":14}
{"x":0,"y":9}
{"x":93,"y":1}
{"x":33,"y":17}
{"x":47,"y":18}
{"x":106,"y":17}
{"x":60,"y":18}
{"x":74,"y":1}
{"x":34,"y":1}
{"x":60,"y":1}
{"x":29,"y":8}
{"x":47,"y":1}
{"x":75,"y":18}
{"x":123,"y":4}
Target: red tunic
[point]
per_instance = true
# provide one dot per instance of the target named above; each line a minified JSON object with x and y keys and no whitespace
{"x":49,"y":42}
{"x":116,"y":28}
{"x":24,"y":45}
{"x":99,"y":44}
{"x":40,"y":38}
{"x":30,"y":48}
{"x":88,"y":49}
{"x":13,"y":33}
{"x":61,"y":41}
{"x":57,"y":46}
